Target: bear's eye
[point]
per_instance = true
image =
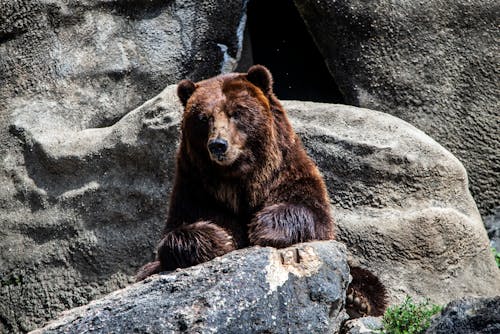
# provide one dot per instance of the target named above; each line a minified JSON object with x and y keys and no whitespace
{"x":237,"y":113}
{"x":203,"y":118}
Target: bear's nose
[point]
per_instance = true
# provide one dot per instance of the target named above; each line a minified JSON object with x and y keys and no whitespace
{"x":217,"y":146}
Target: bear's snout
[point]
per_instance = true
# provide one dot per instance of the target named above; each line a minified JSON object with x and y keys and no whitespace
{"x":218,"y":147}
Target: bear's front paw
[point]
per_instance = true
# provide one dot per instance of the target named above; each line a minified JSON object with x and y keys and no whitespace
{"x":282,"y":225}
{"x":193,"y":244}
{"x":147,"y":270}
{"x":366,"y":295}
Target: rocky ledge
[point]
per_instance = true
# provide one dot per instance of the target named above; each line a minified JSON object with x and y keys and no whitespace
{"x":256,"y":290}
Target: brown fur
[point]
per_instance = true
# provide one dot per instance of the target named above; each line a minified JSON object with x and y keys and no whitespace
{"x":365,"y":288}
{"x":262,"y":190}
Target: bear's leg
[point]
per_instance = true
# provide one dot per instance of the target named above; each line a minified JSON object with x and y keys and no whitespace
{"x":282,"y":225}
{"x":365,"y":295}
{"x":147,"y":270}
{"x":192,"y":244}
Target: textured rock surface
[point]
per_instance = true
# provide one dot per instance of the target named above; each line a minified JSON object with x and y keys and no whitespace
{"x":362,"y":325}
{"x":85,"y":208}
{"x":468,"y":315}
{"x":300,"y":289}
{"x":92,"y":61}
{"x":432,"y":63}
{"x":83,"y":181}
{"x":401,"y":202}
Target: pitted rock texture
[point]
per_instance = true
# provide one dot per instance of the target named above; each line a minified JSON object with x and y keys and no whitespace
{"x":432,"y":63}
{"x":81,"y":209}
{"x":93,"y":61}
{"x":363,"y":325}
{"x":468,"y":315}
{"x":300,"y":289}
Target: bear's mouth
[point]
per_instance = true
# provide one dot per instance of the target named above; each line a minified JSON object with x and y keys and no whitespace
{"x":231,"y":168}
{"x":221,"y":159}
{"x":225,"y":159}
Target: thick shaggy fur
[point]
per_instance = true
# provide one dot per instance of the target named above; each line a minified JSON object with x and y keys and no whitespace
{"x":243,"y":177}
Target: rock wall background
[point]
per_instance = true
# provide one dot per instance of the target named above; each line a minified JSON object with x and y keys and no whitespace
{"x":86,"y":159}
{"x":433,"y":64}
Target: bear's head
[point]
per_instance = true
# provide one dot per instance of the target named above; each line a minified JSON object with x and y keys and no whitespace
{"x":228,"y":122}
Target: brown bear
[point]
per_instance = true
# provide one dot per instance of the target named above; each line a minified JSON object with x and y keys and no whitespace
{"x":243,"y":177}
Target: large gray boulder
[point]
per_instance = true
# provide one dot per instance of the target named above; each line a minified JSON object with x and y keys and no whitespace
{"x":401,"y":203}
{"x":363,"y":325}
{"x":81,"y":209}
{"x":300,"y":289}
{"x":84,"y":183}
{"x":468,"y":315}
{"x":432,"y":63}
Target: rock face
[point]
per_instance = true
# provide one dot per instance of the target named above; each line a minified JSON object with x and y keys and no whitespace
{"x":468,"y":315}
{"x":85,"y":208}
{"x":92,"y":61}
{"x":84,"y":183}
{"x":300,"y":289}
{"x":364,"y":325}
{"x":432,"y":63}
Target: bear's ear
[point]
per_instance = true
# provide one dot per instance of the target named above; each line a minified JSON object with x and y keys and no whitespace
{"x":261,"y":77}
{"x":185,"y":89}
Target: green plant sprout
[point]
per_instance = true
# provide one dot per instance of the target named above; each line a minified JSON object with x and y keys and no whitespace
{"x":496,"y":254}
{"x":409,"y":317}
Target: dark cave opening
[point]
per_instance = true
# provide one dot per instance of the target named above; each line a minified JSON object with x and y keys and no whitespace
{"x":277,"y":37}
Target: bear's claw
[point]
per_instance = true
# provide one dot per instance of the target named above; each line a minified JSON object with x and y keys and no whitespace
{"x":357,"y":305}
